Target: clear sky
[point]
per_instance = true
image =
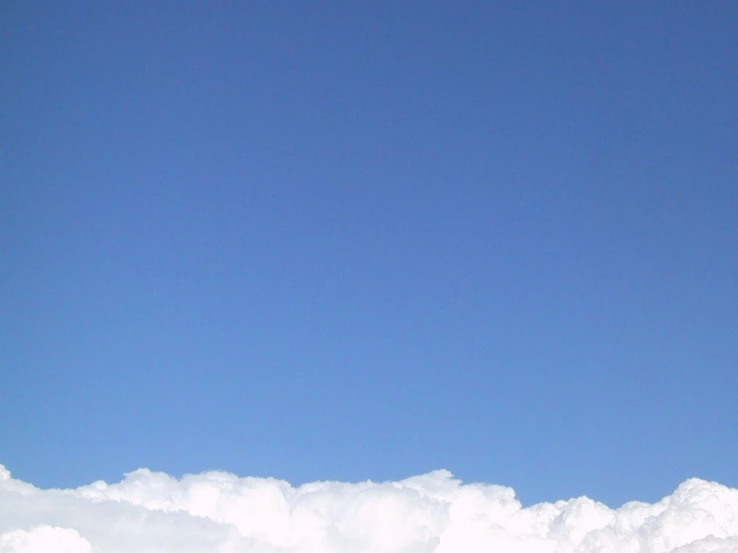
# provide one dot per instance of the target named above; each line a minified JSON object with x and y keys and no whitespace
{"x":347,"y":240}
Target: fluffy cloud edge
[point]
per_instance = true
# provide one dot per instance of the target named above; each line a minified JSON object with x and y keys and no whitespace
{"x":432,"y":513}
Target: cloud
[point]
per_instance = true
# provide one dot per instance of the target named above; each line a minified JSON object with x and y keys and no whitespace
{"x":218,"y":512}
{"x":43,"y":539}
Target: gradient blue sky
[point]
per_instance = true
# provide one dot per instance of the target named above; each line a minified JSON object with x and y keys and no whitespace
{"x":351,"y":240}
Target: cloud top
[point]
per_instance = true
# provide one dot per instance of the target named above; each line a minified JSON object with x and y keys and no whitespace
{"x":432,"y":513}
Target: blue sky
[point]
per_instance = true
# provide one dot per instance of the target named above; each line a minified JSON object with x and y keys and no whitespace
{"x":351,"y":240}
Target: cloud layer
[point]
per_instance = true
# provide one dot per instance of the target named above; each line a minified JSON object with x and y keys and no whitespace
{"x":218,"y":512}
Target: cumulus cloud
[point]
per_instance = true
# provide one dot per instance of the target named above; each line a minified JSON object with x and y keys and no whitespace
{"x":43,"y":539}
{"x":218,"y":512}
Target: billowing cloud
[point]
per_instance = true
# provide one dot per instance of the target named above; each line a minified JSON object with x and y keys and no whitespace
{"x":43,"y":539}
{"x":218,"y":512}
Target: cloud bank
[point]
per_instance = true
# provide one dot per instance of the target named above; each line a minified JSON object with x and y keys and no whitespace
{"x":218,"y":512}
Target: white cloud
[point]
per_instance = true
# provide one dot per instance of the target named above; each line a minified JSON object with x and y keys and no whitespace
{"x":43,"y":539}
{"x":218,"y":512}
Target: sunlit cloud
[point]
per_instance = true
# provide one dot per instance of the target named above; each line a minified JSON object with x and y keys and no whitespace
{"x":432,"y":513}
